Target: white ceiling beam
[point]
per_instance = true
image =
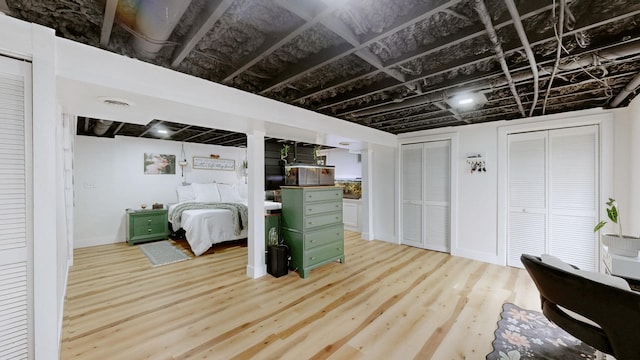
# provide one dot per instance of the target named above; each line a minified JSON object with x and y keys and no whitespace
{"x":213,"y":12}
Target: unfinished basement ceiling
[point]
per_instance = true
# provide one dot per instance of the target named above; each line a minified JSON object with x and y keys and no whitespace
{"x":393,"y":65}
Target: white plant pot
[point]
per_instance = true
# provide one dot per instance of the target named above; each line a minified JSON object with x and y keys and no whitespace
{"x":625,"y":246}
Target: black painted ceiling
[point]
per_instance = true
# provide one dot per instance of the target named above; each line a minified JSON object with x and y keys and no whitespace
{"x":393,"y":65}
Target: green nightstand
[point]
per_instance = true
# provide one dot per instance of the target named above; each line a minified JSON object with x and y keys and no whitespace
{"x":147,"y":225}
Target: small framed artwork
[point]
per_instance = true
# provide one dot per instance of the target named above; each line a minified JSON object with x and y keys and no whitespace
{"x":159,"y":163}
{"x":209,"y":163}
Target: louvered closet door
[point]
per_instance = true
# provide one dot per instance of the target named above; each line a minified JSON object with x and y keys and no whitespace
{"x":15,"y":215}
{"x":437,"y":189}
{"x":573,"y":167}
{"x":527,"y":193}
{"x":412,"y":185}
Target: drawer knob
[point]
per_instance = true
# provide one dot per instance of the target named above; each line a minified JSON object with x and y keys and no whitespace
{"x":337,"y":218}
{"x":310,"y":209}
{"x":149,"y":221}
{"x":148,"y":230}
{"x":337,"y":205}
{"x":310,"y":222}
{"x":312,"y":241}
{"x":339,"y":249}
{"x":312,"y":258}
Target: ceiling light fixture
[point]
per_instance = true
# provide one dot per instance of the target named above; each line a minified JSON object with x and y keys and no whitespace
{"x":466,"y":100}
{"x":162,"y":131}
{"x":111,"y":101}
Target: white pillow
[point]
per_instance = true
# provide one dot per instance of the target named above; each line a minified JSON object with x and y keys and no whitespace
{"x":243,"y":191}
{"x":206,"y":192}
{"x":185,"y":193}
{"x":229,"y":193}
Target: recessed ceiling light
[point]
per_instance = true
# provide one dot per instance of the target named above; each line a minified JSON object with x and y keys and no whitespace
{"x":162,"y":131}
{"x":111,"y":101}
{"x":465,"y":101}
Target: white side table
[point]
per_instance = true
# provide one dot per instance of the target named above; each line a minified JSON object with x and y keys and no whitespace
{"x":624,"y":266}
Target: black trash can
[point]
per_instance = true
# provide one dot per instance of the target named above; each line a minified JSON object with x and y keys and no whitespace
{"x":277,"y":260}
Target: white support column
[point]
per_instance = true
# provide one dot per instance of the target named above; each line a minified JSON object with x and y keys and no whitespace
{"x":255,"y":155}
{"x":46,"y":296}
{"x":367,"y":194}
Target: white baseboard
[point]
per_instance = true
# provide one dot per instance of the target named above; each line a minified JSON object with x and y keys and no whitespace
{"x":256,"y":272}
{"x":477,"y":255}
{"x":95,"y":241}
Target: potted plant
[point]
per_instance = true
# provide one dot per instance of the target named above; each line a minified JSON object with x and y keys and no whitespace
{"x":284,"y":153}
{"x":618,"y":244}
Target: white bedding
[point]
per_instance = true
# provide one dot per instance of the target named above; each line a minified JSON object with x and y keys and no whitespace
{"x":205,"y":227}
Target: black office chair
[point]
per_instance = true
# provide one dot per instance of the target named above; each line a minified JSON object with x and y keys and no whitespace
{"x":616,"y":311}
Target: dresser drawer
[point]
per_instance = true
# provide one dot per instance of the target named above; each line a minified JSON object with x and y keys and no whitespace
{"x":314,"y":221}
{"x":323,"y":253}
{"x":148,"y":229}
{"x":316,"y":238}
{"x":319,"y":208}
{"x":141,"y":222}
{"x":322,"y":195}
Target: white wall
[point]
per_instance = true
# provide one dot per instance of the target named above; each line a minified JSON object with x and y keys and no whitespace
{"x":36,"y":43}
{"x":348,"y":165}
{"x":379,"y":193}
{"x":109,"y":178}
{"x":478,"y":207}
{"x":632,"y":216}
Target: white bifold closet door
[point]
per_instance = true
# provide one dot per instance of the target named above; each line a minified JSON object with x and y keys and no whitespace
{"x":426,"y":179}
{"x":15,"y":212}
{"x":553,"y":182}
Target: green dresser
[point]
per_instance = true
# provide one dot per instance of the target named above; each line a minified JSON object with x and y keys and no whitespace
{"x":312,"y":226}
{"x":147,"y":225}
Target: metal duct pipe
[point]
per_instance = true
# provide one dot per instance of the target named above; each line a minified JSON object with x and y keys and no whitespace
{"x":517,"y":23}
{"x":631,"y":86}
{"x":155,"y":22}
{"x":563,"y":4}
{"x":481,"y":9}
{"x":101,"y":127}
{"x":402,"y":104}
{"x":586,"y":60}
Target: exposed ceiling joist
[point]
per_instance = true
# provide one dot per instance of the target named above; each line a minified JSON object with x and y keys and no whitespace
{"x":213,"y":12}
{"x":387,"y":64}
{"x":297,"y":8}
{"x":403,"y":22}
{"x":110,"y":7}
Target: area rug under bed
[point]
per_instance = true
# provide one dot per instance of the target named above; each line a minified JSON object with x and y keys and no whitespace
{"x":526,"y":334}
{"x":163,"y":253}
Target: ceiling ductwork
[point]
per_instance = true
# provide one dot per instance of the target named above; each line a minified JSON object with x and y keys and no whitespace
{"x":580,"y":62}
{"x":155,"y":22}
{"x":394,"y":66}
{"x":101,"y":126}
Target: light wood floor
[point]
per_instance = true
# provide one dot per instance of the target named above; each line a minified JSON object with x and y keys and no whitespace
{"x":386,"y":302}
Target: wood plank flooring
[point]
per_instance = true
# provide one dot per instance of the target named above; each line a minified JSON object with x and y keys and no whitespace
{"x":386,"y":302}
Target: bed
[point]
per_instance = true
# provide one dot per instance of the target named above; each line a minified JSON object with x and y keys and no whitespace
{"x":211,"y":214}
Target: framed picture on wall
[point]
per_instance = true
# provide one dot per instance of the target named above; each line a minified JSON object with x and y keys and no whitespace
{"x":159,"y":163}
{"x":209,"y":163}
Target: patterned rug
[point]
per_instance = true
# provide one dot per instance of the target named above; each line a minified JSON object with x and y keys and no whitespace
{"x":525,"y":334}
{"x":163,"y":253}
